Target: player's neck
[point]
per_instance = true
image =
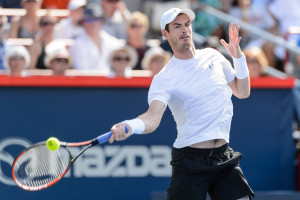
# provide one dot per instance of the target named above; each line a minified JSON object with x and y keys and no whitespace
{"x":185,"y":53}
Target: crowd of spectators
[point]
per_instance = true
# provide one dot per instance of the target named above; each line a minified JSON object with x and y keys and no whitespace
{"x":105,"y":33}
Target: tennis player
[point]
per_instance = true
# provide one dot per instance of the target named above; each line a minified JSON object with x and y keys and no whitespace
{"x":197,"y":85}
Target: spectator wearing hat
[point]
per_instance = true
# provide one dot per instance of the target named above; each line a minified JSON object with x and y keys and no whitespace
{"x":122,"y":60}
{"x":116,"y":15}
{"x":91,"y":49}
{"x":69,"y":27}
{"x":58,"y":60}
{"x":155,"y":59}
{"x":16,"y":61}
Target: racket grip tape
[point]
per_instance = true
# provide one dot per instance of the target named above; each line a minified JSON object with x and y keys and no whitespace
{"x":105,"y":137}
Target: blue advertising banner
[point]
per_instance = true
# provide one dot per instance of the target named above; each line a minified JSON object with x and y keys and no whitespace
{"x":138,"y":167}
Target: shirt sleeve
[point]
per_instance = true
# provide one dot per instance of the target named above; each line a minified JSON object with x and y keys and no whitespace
{"x":227,"y":67}
{"x":160,"y":89}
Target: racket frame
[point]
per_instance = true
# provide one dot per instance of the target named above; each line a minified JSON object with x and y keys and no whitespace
{"x":86,"y":145}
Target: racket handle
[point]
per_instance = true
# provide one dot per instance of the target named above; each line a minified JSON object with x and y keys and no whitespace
{"x":105,"y":137}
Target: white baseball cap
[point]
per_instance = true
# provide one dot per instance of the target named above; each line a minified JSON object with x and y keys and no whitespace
{"x":172,"y":13}
{"x":75,"y":4}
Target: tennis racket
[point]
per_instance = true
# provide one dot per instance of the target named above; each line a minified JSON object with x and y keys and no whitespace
{"x":38,"y":168}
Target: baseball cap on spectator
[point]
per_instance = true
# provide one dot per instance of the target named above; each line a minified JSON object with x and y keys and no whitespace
{"x":172,"y":13}
{"x":93,"y":10}
{"x":75,"y":4}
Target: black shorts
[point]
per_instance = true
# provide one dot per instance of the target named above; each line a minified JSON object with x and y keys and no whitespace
{"x":196,"y":172}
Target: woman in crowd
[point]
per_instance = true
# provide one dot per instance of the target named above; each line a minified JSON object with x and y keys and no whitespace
{"x":57,"y":59}
{"x":37,"y":49}
{"x":16,"y":61}
{"x":155,"y":59}
{"x":137,"y":28}
{"x":122,"y":61}
{"x":256,"y":61}
{"x":26,"y":26}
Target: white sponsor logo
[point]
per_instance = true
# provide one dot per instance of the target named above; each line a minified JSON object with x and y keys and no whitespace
{"x":124,"y":161}
{"x":104,"y":161}
{"x":6,"y":157}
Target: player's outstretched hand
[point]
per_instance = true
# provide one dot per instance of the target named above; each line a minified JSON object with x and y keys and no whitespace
{"x":233,"y":47}
{"x":119,"y":132}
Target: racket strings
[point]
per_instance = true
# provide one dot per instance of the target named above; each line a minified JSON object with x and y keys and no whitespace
{"x":40,"y":166}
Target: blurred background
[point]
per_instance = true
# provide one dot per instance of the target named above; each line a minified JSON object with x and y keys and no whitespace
{"x":73,"y":68}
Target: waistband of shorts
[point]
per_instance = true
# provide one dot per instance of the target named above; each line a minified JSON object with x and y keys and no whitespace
{"x":202,"y":151}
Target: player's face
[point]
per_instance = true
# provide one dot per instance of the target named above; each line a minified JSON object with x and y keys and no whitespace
{"x":180,"y":32}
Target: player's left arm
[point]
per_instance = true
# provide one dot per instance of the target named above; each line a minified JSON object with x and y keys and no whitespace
{"x":241,"y":84}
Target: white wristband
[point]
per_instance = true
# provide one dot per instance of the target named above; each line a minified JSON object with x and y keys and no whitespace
{"x":137,"y":125}
{"x":240,"y":66}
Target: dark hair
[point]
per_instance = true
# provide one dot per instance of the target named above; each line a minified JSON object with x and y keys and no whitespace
{"x":167,"y":27}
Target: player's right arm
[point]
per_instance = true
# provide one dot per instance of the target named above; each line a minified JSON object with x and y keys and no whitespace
{"x":150,"y":120}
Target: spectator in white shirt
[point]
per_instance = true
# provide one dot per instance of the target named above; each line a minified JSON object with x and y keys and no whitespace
{"x":69,"y":27}
{"x":91,"y":49}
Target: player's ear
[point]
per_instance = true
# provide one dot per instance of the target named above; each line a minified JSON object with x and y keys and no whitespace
{"x":164,"y":33}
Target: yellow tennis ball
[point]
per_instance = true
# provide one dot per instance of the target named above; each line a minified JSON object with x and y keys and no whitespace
{"x":52,"y":144}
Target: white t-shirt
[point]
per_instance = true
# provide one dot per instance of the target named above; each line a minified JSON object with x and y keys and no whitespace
{"x":198,"y":96}
{"x":87,"y":56}
{"x":65,"y":29}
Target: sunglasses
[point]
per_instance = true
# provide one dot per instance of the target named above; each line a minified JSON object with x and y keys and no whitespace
{"x":136,"y":25}
{"x":63,"y":60}
{"x":120,"y":58}
{"x":47,"y":24}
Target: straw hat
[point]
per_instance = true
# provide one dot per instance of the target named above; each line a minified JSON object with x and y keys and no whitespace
{"x":151,"y":53}
{"x":59,"y":52}
{"x":131,"y":52}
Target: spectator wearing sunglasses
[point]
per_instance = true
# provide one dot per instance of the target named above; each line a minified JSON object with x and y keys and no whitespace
{"x":137,"y":28}
{"x":37,"y":49}
{"x":122,"y":60}
{"x":57,"y":59}
{"x":16,"y":61}
{"x":91,"y":49}
{"x":115,"y":17}
{"x":69,"y":27}
{"x":26,"y":26}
